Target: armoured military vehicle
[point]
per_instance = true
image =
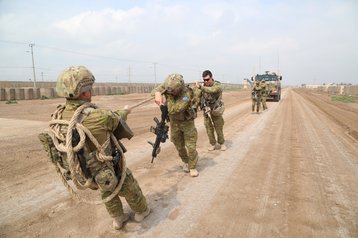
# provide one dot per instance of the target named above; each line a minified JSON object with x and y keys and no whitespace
{"x":274,"y":84}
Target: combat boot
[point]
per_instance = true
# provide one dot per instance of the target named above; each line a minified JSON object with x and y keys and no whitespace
{"x":185,"y":167}
{"x":194,"y":173}
{"x":211,"y":147}
{"x":119,"y":221}
{"x":138,"y":217}
{"x":223,"y":147}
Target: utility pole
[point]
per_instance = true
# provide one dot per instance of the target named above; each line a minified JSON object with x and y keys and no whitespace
{"x":129,"y":74}
{"x":155,"y":74}
{"x":278,"y":63}
{"x":259,"y":64}
{"x":42,"y":76}
{"x":33,"y":63}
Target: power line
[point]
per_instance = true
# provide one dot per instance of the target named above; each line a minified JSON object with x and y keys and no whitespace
{"x":93,"y":55}
{"x":15,"y":67}
{"x":176,"y":66}
{"x":14,"y":42}
{"x":77,"y":52}
{"x":99,"y":56}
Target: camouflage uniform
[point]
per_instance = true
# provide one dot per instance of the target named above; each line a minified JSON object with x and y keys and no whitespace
{"x":101,"y":123}
{"x":265,"y":89}
{"x":256,"y":95}
{"x":211,"y":97}
{"x":182,"y":112}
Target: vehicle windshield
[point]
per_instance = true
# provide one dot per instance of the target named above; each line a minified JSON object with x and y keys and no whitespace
{"x":266,"y":77}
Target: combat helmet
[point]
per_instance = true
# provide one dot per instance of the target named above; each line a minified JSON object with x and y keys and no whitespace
{"x":73,"y":81}
{"x":174,"y":82}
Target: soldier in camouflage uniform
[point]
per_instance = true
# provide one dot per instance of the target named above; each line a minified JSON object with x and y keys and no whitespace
{"x":265,"y":90}
{"x":256,"y":93}
{"x":181,"y":103}
{"x":100,"y":165}
{"x":213,"y":107}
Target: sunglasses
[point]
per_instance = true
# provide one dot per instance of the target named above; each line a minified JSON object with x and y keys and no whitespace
{"x":206,"y":79}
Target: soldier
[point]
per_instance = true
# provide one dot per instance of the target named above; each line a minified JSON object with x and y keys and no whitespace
{"x":265,"y":89}
{"x":213,"y":107}
{"x":256,"y":93}
{"x":181,"y":105}
{"x":100,"y":161}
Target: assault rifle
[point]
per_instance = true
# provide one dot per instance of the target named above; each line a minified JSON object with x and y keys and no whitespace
{"x":160,"y":130}
{"x":206,"y":109}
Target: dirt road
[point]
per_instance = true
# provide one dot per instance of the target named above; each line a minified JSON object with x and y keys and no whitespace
{"x":290,"y":171}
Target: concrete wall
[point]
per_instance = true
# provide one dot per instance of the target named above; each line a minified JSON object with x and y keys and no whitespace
{"x":2,"y":94}
{"x":25,"y":91}
{"x":21,"y":93}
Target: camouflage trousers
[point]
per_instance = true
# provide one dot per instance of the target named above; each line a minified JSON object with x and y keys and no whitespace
{"x":254,"y":102}
{"x":217,"y":125}
{"x":263,"y":101}
{"x":184,"y":135}
{"x":131,"y":192}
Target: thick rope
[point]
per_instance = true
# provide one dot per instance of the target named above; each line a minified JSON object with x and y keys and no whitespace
{"x":140,"y":103}
{"x":64,"y":144}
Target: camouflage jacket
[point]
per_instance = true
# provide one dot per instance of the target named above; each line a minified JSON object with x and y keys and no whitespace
{"x":98,"y":121}
{"x":211,"y":94}
{"x":256,"y":88}
{"x":264,"y":88}
{"x":181,"y":107}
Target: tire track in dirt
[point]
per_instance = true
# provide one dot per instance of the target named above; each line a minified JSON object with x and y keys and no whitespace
{"x":289,"y":192}
{"x":335,"y":204}
{"x":250,"y":190}
{"x":344,"y":115}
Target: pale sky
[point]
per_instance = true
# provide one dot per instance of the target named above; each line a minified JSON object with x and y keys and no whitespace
{"x":310,"y":42}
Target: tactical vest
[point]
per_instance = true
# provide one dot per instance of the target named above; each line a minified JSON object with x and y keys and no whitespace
{"x":102,"y":167}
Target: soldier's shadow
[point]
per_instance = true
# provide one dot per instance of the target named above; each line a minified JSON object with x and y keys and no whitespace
{"x":205,"y":162}
{"x":164,"y":189}
{"x":162,"y":202}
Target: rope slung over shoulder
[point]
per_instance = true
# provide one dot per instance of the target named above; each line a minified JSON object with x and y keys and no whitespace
{"x":64,"y":144}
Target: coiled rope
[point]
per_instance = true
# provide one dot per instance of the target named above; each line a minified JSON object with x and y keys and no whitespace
{"x":64,"y":145}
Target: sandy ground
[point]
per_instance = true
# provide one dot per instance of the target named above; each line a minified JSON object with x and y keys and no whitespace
{"x":290,"y":171}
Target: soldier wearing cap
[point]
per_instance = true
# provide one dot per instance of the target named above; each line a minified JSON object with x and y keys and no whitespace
{"x":181,"y":104}
{"x":96,"y":160}
{"x":213,"y":107}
